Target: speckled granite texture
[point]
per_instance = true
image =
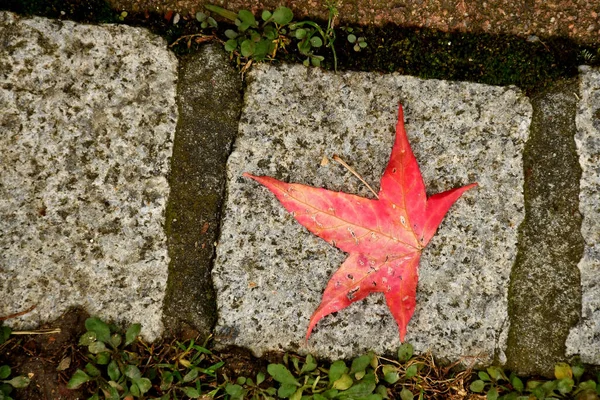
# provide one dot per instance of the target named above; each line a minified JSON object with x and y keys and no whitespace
{"x":88,"y":116}
{"x":270,"y":272}
{"x":584,"y":339}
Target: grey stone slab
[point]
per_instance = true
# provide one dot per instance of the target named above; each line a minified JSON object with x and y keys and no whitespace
{"x":88,"y":116}
{"x":270,"y":272}
{"x":210,"y":101}
{"x":584,"y":339}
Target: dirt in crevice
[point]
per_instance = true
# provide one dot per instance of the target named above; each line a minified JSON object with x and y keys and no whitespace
{"x":209,"y":101}
{"x":544,"y":297}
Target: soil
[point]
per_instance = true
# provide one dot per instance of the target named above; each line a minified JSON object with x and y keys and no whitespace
{"x":50,"y":360}
{"x":38,"y":357}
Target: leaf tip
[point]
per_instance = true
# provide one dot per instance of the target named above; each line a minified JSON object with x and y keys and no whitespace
{"x":311,"y":325}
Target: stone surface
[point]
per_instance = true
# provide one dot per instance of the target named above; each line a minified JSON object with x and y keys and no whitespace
{"x":210,"y":101}
{"x":88,"y":116}
{"x":545,"y":294}
{"x":270,"y":272}
{"x":584,"y":339}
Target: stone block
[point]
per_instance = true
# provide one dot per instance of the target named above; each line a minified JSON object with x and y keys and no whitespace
{"x":86,"y":131}
{"x":270,"y":272}
{"x":584,"y":339}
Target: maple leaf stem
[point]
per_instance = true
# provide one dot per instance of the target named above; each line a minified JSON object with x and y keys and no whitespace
{"x":349,"y":168}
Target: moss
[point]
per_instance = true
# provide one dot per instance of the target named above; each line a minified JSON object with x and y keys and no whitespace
{"x":544,"y":297}
{"x":200,"y":150}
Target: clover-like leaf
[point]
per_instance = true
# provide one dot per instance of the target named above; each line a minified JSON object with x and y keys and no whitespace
{"x":99,"y":327}
{"x":309,"y":365}
{"x":316,"y":41}
{"x":4,"y":371}
{"x":247,"y":48}
{"x":405,"y":352}
{"x":97,"y":347}
{"x":411,"y":371}
{"x":144,"y":384}
{"x":360,"y":364}
{"x":406,"y":394}
{"x":19,"y":382}
{"x":87,"y":338}
{"x":113,"y":371}
{"x":336,"y":370}
{"x":390,"y":374}
{"x":246,"y":17}
{"x":266,"y":15}
{"x":281,"y":374}
{"x":132,"y":333}
{"x":193,"y":393}
{"x":562,"y":371}
{"x":132,"y":372}
{"x":517,"y":383}
{"x":283,"y":15}
{"x":492,"y":394}
{"x":78,"y":379}
{"x":343,"y":383}
{"x":477,"y":386}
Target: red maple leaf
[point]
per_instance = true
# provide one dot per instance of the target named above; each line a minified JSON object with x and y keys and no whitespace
{"x":384,"y":237}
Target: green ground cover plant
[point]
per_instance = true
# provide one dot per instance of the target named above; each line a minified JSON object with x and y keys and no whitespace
{"x":112,"y":363}
{"x":260,"y":38}
{"x":9,"y":382}
{"x":119,"y":365}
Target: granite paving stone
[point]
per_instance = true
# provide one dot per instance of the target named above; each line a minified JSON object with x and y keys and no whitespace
{"x":270,"y":272}
{"x":584,"y":339}
{"x":86,"y":129}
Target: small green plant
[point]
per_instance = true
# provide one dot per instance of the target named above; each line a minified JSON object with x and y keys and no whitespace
{"x":367,"y":377}
{"x":5,"y":332}
{"x":587,"y":56}
{"x":359,"y":42}
{"x":260,"y":40}
{"x":298,"y":378}
{"x":206,"y":21}
{"x":7,"y":385}
{"x":108,"y":353}
{"x":187,"y":374}
{"x":246,"y":388}
{"x":121,"y":366}
{"x":567,"y":385}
